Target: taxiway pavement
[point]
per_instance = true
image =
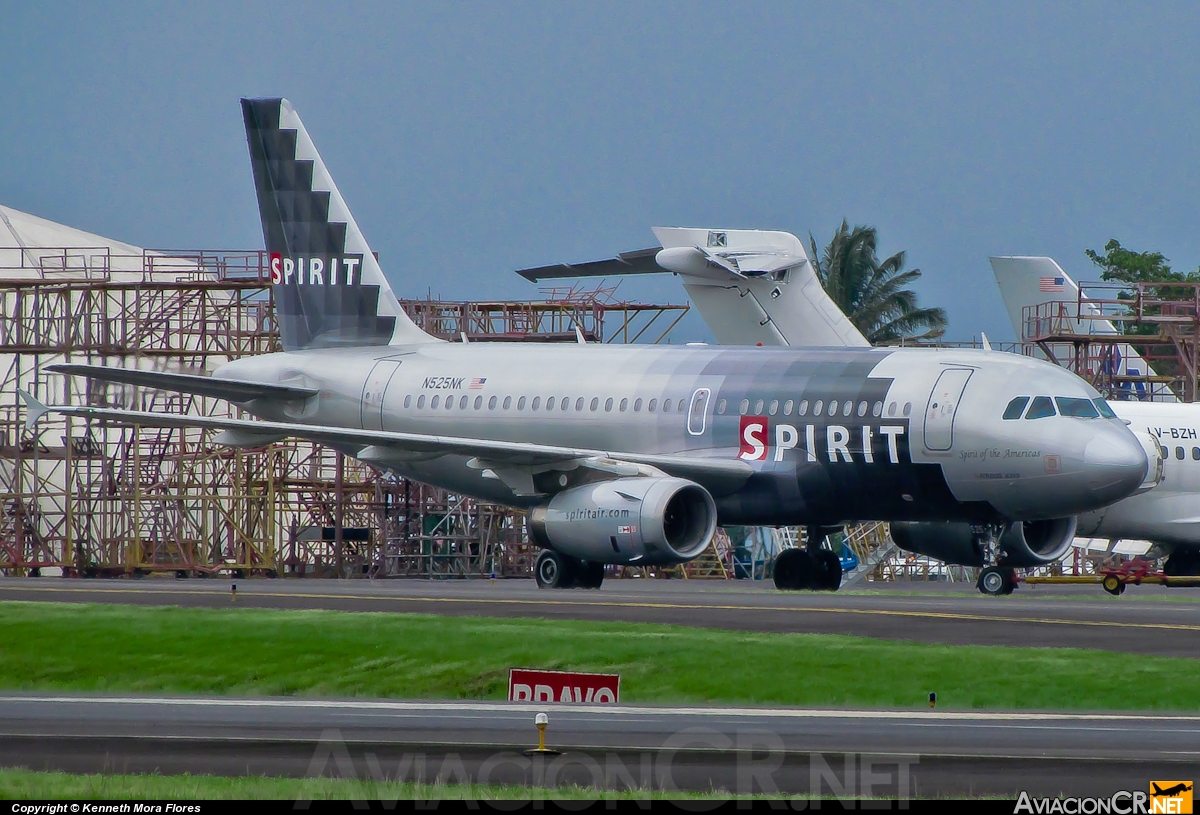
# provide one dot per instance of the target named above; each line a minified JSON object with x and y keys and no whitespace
{"x":1143,"y":621}
{"x":841,"y":752}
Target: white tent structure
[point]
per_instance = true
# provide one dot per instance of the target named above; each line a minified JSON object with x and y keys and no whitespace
{"x":67,"y":295}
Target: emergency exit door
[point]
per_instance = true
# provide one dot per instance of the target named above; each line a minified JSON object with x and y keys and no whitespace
{"x":943,"y":404}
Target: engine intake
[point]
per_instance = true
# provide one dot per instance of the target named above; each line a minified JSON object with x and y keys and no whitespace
{"x":1024,"y":543}
{"x":650,"y":520}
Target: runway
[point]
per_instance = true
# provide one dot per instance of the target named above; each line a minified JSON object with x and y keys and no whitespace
{"x":737,"y":749}
{"x":1143,"y":621}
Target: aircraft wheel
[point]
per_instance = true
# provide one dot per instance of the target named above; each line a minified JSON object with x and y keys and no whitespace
{"x":1182,"y":564}
{"x":996,"y":581}
{"x":590,"y":575}
{"x":1113,"y":585}
{"x":828,"y":572}
{"x":554,"y":571}
{"x":794,"y":569}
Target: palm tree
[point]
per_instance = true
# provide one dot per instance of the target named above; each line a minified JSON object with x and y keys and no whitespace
{"x":872,"y":293}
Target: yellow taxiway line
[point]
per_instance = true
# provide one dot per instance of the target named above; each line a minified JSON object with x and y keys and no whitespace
{"x":923,"y":614}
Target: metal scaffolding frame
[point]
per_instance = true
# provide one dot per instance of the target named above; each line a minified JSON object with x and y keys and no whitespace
{"x":1061,"y":330}
{"x":97,"y":499}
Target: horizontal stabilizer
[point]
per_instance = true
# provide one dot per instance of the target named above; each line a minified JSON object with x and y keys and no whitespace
{"x":231,"y":389}
{"x":719,"y":255}
{"x":34,"y":409}
{"x":640,"y":261}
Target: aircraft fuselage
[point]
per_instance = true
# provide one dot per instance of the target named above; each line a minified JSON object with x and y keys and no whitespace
{"x":832,"y":434}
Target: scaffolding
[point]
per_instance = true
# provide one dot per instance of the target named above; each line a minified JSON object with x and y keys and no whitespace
{"x":554,"y":318}
{"x":94,"y":499}
{"x":1165,"y":317}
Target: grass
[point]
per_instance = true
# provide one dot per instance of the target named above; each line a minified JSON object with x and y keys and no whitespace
{"x":27,"y":784}
{"x":249,"y":652}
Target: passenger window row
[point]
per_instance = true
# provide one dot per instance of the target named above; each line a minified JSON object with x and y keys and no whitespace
{"x":1040,"y":407}
{"x":550,"y":403}
{"x":1181,"y":453}
{"x":834,"y":407}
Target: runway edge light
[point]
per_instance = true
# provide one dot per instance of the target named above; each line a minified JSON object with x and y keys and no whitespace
{"x":541,"y":720}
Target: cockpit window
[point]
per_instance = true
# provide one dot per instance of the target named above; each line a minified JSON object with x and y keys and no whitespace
{"x":1077,"y":408}
{"x":1105,"y":410}
{"x":1041,"y":408}
{"x":1013,"y":411}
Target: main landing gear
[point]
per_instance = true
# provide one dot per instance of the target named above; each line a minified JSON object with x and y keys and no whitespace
{"x":1182,"y":563}
{"x":555,"y":570}
{"x":813,"y":567}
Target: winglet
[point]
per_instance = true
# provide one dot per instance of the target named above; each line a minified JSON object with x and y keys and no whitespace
{"x":34,"y":409}
{"x":987,"y":346}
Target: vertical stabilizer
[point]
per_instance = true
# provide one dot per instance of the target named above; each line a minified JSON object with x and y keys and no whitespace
{"x":1035,"y":281}
{"x":328,"y":287}
{"x":754,"y":286}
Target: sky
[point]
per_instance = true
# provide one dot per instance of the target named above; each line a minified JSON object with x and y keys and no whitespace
{"x":471,"y":140}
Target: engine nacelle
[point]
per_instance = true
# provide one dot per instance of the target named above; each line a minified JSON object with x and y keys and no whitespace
{"x":1036,"y":543}
{"x":1025,"y":543}
{"x":629,"y":520}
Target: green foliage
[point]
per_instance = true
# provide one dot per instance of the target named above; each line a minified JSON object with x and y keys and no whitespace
{"x":250,"y":652}
{"x":1127,"y":266}
{"x":873,"y":293}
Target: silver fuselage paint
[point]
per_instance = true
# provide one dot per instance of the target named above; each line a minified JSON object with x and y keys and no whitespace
{"x":891,"y":452}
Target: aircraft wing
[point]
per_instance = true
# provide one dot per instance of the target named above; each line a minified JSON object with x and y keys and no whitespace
{"x":231,"y":389}
{"x":641,"y":261}
{"x":505,"y":458}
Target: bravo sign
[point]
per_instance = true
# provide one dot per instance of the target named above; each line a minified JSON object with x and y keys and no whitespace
{"x":562,"y":686}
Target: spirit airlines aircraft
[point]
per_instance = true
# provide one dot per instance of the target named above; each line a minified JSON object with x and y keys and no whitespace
{"x":723,"y":269}
{"x":633,"y":454}
{"x":1169,"y":515}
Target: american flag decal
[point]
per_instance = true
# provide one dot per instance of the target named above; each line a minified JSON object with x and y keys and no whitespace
{"x":477,"y":383}
{"x":1051,"y":284}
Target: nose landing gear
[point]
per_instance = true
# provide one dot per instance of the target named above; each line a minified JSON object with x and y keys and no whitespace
{"x":996,"y":581}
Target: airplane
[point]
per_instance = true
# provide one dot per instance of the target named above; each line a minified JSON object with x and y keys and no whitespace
{"x":1171,"y":791}
{"x":1168,"y":516}
{"x":793,"y":308}
{"x":633,"y":454}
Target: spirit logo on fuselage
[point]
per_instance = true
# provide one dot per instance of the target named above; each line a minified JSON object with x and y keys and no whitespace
{"x":836,"y":442}
{"x":316,"y":270}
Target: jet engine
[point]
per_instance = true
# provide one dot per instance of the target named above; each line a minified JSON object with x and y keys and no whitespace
{"x":1023,"y":544}
{"x":643,"y":520}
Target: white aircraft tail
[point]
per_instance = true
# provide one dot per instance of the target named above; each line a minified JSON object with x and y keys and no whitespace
{"x":328,"y":287}
{"x":752,"y":287}
{"x":1031,"y":288}
{"x":755,"y":286}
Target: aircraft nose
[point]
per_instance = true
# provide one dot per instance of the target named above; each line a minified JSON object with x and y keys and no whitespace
{"x":1116,"y":464}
